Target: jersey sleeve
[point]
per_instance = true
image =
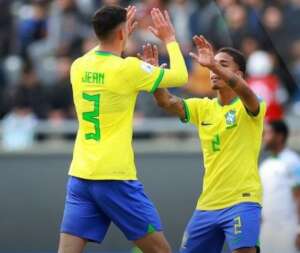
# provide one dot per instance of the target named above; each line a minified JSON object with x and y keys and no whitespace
{"x":193,"y":108}
{"x":142,"y":76}
{"x":262,"y":111}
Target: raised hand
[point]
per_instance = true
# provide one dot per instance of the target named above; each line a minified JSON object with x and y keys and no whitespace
{"x":205,"y":53}
{"x":131,"y":22}
{"x":149,"y":54}
{"x":162,"y":26}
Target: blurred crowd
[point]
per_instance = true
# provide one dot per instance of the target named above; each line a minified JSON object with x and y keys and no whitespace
{"x":39,"y":39}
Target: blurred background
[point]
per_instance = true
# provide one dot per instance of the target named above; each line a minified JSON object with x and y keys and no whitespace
{"x":39,"y":39}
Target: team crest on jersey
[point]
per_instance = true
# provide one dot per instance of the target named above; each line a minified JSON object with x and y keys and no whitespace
{"x":230,"y":119}
{"x":147,"y":67}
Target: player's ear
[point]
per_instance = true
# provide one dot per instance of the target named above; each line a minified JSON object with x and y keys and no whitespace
{"x":120,"y":34}
{"x":240,"y":73}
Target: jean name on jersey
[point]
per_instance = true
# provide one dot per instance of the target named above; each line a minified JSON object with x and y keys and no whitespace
{"x":93,"y":77}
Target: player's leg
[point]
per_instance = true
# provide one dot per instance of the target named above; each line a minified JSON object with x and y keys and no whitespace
{"x":71,"y":244}
{"x":247,"y":250}
{"x":241,"y":224}
{"x":133,"y":213}
{"x":153,"y":243}
{"x":82,"y":220}
{"x":203,"y":234}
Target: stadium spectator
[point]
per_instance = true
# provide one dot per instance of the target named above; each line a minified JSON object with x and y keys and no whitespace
{"x":60,"y":95}
{"x":236,"y":17}
{"x":280,"y":174}
{"x":265,"y":84}
{"x":32,"y":25}
{"x":31,"y":92}
{"x":18,"y":128}
{"x":45,"y":29}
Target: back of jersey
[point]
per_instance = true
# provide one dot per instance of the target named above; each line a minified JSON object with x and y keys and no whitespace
{"x":105,"y":88}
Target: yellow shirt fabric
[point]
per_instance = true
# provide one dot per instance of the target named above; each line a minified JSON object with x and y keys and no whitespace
{"x":105,"y":88}
{"x":231,"y":141}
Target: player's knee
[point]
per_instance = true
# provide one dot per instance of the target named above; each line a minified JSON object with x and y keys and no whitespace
{"x":163,"y":248}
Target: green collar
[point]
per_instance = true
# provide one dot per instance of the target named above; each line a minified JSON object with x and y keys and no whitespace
{"x":234,"y":100}
{"x":103,"y":53}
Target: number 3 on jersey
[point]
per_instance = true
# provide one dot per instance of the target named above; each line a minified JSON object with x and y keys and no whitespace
{"x":92,"y":116}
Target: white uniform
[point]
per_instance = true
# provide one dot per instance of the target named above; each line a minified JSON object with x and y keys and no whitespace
{"x":280,"y":222}
{"x":292,"y":159}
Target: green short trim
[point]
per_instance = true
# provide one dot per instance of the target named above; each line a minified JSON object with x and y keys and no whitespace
{"x":158,"y":80}
{"x":151,"y":229}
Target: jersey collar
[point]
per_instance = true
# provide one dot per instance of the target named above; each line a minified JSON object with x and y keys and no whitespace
{"x":230,"y":103}
{"x":103,"y":53}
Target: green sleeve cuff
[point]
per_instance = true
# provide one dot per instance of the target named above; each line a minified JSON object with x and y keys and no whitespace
{"x":187,"y":115}
{"x":158,"y":80}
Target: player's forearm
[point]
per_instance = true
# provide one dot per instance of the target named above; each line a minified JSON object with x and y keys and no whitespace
{"x":169,"y":103}
{"x":239,"y":85}
{"x":177,"y":74}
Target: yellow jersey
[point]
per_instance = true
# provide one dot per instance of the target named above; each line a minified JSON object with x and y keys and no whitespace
{"x":231,"y":140}
{"x":105,"y":88}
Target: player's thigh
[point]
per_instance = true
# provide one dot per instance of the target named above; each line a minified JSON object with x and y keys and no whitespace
{"x":241,"y":225}
{"x":71,"y":244}
{"x":202,"y":234}
{"x":82,"y":217}
{"x":153,"y":243}
{"x":129,"y":208}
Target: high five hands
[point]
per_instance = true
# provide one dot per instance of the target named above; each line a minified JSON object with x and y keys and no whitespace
{"x":162,"y":26}
{"x":150,"y":55}
{"x":205,"y":53}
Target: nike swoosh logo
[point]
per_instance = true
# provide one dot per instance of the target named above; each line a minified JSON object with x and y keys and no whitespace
{"x":205,"y":123}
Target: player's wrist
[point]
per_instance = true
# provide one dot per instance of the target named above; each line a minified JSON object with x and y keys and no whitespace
{"x":169,"y":39}
{"x":213,"y":66}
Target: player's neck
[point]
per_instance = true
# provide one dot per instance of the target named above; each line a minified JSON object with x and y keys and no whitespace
{"x":111,"y":48}
{"x":226,"y":96}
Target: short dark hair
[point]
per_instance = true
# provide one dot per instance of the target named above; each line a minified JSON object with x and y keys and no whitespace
{"x":238,"y":57}
{"x":280,"y":127}
{"x":106,"y":19}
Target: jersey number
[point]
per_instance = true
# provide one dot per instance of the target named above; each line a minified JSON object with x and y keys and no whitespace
{"x":92,"y":116}
{"x":237,"y":225}
{"x":216,"y":143}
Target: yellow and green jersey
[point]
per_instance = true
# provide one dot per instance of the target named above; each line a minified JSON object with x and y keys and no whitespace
{"x":105,"y":88}
{"x":231,"y":140}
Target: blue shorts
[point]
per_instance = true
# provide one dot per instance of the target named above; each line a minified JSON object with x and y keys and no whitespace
{"x":207,"y":231}
{"x":91,"y":206}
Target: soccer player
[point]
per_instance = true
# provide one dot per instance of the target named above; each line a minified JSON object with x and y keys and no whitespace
{"x":103,"y":185}
{"x":230,"y":129}
{"x":280,"y":174}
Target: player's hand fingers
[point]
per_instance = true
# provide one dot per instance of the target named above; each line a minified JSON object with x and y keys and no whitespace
{"x":168,"y":19}
{"x":208,"y":45}
{"x":161,"y":17}
{"x":198,"y":42}
{"x":194,"y":56}
{"x":153,"y":30}
{"x":139,"y":56}
{"x":155,"y":18}
{"x":149,"y":53}
{"x":144,"y":52}
{"x":164,"y":65}
{"x":131,"y":11}
{"x":133,"y":26}
{"x":155,"y":53}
